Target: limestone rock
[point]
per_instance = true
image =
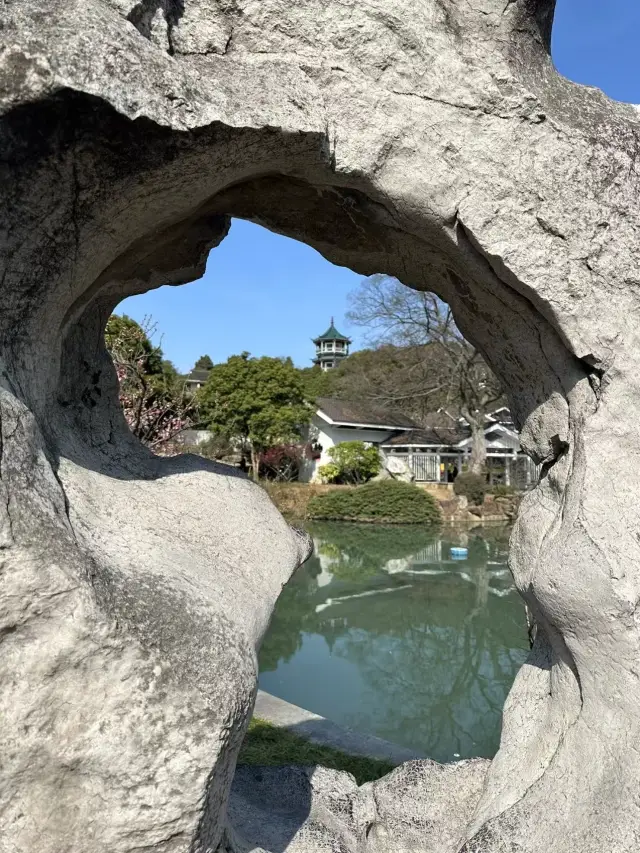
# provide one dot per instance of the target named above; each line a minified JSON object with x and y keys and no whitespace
{"x":427,"y":139}
{"x":420,"y":806}
{"x":383,"y":474}
{"x":397,"y":469}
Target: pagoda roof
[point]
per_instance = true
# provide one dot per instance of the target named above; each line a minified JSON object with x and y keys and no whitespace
{"x":332,"y":334}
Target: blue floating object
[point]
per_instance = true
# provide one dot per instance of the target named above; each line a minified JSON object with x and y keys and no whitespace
{"x":459,"y":553}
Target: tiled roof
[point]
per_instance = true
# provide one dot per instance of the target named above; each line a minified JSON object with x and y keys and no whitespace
{"x":423,"y":437}
{"x":446,"y":431}
{"x":332,"y":334}
{"x":355,"y":412}
{"x":501,"y":416}
{"x":438,"y":428}
{"x":198,"y":376}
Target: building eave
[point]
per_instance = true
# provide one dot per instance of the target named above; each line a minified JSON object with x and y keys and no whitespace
{"x":422,"y":444}
{"x":357,"y":425}
{"x":495,"y":427}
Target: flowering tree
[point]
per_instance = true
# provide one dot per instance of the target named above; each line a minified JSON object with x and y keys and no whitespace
{"x":152,"y":394}
{"x":282,"y":462}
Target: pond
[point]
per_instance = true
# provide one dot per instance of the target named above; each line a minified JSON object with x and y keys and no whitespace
{"x":384,"y":631}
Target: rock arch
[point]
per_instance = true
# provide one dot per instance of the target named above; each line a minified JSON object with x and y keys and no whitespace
{"x":428,"y":139}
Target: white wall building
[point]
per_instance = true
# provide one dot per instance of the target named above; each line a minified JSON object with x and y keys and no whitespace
{"x":435,"y":453}
{"x":438,"y":452}
{"x":336,"y":421}
{"x":196,"y":379}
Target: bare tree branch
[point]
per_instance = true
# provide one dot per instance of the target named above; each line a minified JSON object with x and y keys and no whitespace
{"x":439,"y":361}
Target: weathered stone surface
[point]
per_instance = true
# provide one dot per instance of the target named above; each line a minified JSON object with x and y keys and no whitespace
{"x":396,"y":469}
{"x":428,"y":139}
{"x":419,"y":806}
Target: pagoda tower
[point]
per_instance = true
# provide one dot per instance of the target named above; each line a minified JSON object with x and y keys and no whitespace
{"x":331,"y":348}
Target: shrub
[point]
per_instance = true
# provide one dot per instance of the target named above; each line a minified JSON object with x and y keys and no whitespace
{"x":329,"y":473}
{"x":282,"y":463}
{"x":216,"y":447}
{"x":471,"y":486}
{"x":355,"y":462}
{"x":502,"y":491}
{"x":387,"y":501}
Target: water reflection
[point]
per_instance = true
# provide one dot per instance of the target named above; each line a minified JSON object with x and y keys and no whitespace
{"x":383,"y":631}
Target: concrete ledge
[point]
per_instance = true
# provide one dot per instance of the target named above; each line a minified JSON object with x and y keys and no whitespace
{"x":324,"y":732}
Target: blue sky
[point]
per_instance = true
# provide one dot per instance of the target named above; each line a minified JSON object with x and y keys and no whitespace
{"x":596,"y":42}
{"x":261,"y":292}
{"x":270,"y":295}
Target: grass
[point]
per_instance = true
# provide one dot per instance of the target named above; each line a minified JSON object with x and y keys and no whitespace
{"x":266,"y":744}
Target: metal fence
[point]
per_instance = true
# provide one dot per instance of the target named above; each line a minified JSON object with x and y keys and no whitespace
{"x":519,"y":471}
{"x":431,"y":553}
{"x":425,"y":466}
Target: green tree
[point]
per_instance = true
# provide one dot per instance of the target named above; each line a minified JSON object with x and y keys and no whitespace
{"x":318,"y":382}
{"x":256,"y":402}
{"x":351,"y":462}
{"x":402,"y":378}
{"x":203,"y":363}
{"x":169,"y":370}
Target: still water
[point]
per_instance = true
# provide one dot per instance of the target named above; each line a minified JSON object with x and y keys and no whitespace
{"x":383,"y":632}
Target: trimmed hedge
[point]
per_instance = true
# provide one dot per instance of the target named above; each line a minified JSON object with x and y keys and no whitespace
{"x":387,"y":501}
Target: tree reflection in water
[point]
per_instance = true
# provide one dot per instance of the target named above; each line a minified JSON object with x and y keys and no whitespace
{"x":382,"y":631}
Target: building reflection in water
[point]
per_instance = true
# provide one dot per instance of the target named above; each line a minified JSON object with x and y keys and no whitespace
{"x":382,"y":631}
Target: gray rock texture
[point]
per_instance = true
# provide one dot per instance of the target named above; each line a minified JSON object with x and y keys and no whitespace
{"x":418,"y":806}
{"x":394,"y":468}
{"x":428,"y":139}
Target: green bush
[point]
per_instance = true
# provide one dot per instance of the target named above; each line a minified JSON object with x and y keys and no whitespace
{"x":329,"y":473}
{"x":471,"y":486}
{"x":387,"y":501}
{"x":352,"y":462}
{"x":502,"y":491}
{"x":215,"y":447}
